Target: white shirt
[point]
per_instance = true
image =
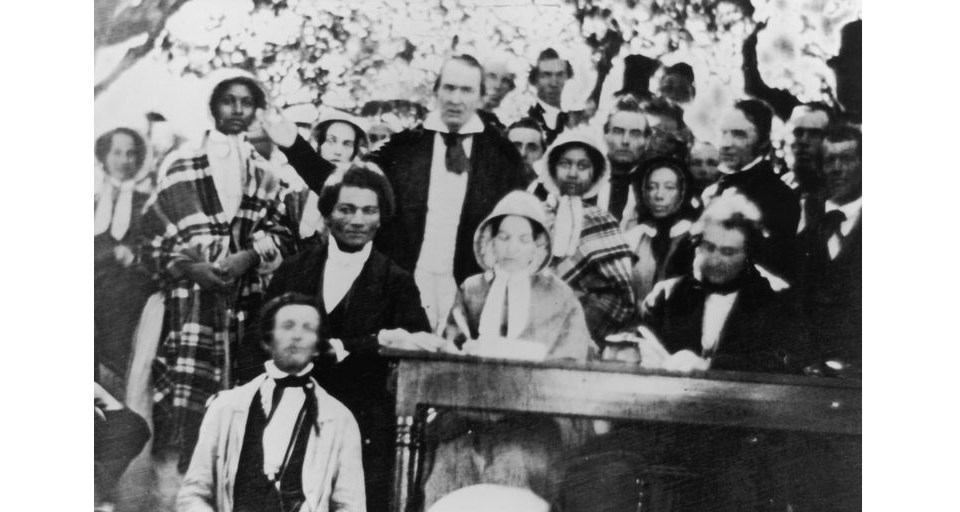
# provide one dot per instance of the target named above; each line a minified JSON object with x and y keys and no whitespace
{"x":852,"y":212}
{"x":550,"y":114}
{"x":445,"y":197}
{"x":716,"y":309}
{"x":340,"y":271}
{"x":227,"y":166}
{"x":278,"y":432}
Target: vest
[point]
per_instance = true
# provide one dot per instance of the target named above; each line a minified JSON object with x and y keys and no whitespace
{"x":252,"y":490}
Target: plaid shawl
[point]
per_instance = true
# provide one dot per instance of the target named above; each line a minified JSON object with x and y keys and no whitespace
{"x":600,"y":272}
{"x":185,"y":221}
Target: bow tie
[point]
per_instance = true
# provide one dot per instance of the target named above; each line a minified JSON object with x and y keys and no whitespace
{"x":310,"y":399}
{"x":832,"y":221}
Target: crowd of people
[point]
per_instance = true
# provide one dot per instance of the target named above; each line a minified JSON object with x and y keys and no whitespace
{"x":261,"y":270}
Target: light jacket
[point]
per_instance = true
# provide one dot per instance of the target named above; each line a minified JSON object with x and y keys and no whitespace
{"x":332,"y":469}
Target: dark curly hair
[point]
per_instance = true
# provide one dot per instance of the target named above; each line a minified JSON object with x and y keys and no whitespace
{"x":364,"y":175}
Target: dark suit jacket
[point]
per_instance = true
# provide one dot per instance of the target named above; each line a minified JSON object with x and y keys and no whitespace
{"x":384,"y":296}
{"x":763,"y":332}
{"x":780,"y":208}
{"x":831,"y":290}
{"x":496,"y":168}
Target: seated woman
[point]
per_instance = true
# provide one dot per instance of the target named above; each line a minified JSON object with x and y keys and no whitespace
{"x":340,"y":141}
{"x":514,"y":310}
{"x":280,"y":442}
{"x":369,"y":302}
{"x":664,"y":216}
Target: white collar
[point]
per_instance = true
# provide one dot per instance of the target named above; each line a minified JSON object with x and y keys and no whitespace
{"x":335,"y":254}
{"x":276,"y":373}
{"x":548,"y":110}
{"x":850,"y":210}
{"x":433,"y":122}
{"x":724,"y":169}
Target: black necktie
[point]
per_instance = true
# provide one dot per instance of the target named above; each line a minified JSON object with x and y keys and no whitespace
{"x":455,"y":157}
{"x":310,"y":399}
{"x":831,"y":223}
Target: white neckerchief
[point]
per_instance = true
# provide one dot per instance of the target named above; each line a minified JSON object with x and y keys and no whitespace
{"x":567,"y":226}
{"x":340,"y":271}
{"x":550,"y":114}
{"x":226,"y":154}
{"x":852,"y":212}
{"x":277,"y":433}
{"x":115,"y":214}
{"x":716,"y":310}
{"x":512,"y":288}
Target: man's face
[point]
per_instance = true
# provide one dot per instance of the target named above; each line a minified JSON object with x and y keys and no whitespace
{"x":498,"y":81}
{"x":378,"y":134}
{"x":355,"y":218}
{"x":234,"y":110}
{"x":293,"y":341}
{"x":626,"y":137}
{"x":808,"y":131}
{"x":551,"y":77}
{"x":458,"y":93}
{"x":721,"y":255}
{"x":121,"y":161}
{"x":574,"y":172}
{"x":738,"y":140}
{"x":842,"y":170}
{"x":529,"y":143}
{"x":338,"y":144}
{"x":676,"y":88}
{"x":704,"y":159}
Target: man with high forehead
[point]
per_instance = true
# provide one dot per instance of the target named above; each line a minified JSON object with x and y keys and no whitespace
{"x":625,"y":133}
{"x":447,"y":174}
{"x":745,"y":162}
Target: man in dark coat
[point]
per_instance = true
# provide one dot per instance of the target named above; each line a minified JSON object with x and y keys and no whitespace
{"x":830,"y":251}
{"x":745,"y":163}
{"x":365,"y":296}
{"x":447,"y":175}
{"x":548,"y":77}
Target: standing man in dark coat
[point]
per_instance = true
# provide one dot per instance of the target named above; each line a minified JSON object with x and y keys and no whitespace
{"x":746,"y":167}
{"x":831,"y":249}
{"x":365,"y":297}
{"x":447,"y":175}
{"x":549,"y":76}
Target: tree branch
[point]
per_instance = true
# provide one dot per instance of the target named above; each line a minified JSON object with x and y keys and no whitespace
{"x":133,"y":55}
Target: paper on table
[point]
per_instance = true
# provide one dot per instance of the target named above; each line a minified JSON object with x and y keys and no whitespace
{"x":505,"y":348}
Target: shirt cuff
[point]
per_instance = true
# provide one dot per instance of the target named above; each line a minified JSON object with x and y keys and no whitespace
{"x":339,"y":349}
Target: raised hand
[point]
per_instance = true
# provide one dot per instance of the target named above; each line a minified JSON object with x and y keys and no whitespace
{"x":280,"y":130}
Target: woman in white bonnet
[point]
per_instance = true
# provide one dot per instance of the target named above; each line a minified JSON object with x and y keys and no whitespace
{"x":516,"y":308}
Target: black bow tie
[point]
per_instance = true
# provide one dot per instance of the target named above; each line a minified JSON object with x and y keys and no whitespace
{"x":292,"y":381}
{"x":832,"y":221}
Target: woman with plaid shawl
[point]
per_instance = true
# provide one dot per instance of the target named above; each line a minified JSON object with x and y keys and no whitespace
{"x":214,"y":229}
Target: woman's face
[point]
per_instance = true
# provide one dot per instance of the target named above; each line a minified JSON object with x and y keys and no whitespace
{"x":661,"y":193}
{"x":514,"y":245}
{"x":337,"y":146}
{"x":574,"y":171}
{"x":293,"y":342}
{"x":121,"y":161}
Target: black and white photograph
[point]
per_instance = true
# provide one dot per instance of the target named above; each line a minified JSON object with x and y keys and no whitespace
{"x":477,"y":256}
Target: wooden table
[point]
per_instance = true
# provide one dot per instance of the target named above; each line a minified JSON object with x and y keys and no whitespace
{"x":613,"y":391}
